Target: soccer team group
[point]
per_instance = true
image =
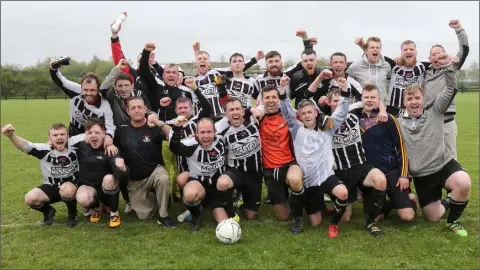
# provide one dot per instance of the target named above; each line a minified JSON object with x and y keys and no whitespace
{"x":364,"y":129}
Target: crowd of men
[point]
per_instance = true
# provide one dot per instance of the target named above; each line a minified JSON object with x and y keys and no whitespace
{"x":153,"y":133}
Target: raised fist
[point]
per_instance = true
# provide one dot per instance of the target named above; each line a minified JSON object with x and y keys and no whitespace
{"x":442,"y":59}
{"x":300,"y":33}
{"x":190,"y":83}
{"x":455,"y":24}
{"x":152,"y":119}
{"x":196,"y":46}
{"x":164,"y":102}
{"x":8,"y":130}
{"x":180,"y":120}
{"x":326,"y":74}
{"x":322,"y":101}
{"x":120,"y":163}
{"x":122,"y":64}
{"x":359,"y":41}
{"x":260,"y":55}
{"x":284,"y":81}
{"x":342,"y":82}
{"x":313,"y":41}
{"x":150,"y":46}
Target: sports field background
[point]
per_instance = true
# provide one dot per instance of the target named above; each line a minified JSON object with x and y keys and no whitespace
{"x":265,"y":243}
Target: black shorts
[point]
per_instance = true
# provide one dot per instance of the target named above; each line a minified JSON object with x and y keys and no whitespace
{"x":399,"y":199}
{"x":182,"y":164}
{"x":249,"y":184}
{"x":429,"y":188}
{"x":276,"y":180}
{"x":353,"y":178}
{"x":314,"y":195}
{"x":53,"y":192}
{"x":210,"y":199}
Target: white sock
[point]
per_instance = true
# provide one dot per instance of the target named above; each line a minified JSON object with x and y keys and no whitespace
{"x":113,"y":213}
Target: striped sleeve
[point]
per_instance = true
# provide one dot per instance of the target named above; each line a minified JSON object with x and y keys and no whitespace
{"x":399,"y":144}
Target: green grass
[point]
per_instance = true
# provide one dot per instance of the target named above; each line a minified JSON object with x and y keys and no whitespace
{"x":265,"y":243}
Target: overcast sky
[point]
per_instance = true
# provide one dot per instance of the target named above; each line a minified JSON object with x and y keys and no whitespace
{"x":35,"y":30}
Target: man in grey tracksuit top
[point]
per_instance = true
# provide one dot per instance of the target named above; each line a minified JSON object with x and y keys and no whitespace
{"x":434,"y":83}
{"x":373,"y":68}
{"x":430,"y":163}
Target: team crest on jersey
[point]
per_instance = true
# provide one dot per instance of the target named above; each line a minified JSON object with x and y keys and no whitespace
{"x":146,"y":138}
{"x":213,"y":154}
{"x":63,"y":161}
{"x":408,"y":74}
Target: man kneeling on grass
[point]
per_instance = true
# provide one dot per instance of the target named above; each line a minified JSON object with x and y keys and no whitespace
{"x":431,"y":164}
{"x":100,"y":174}
{"x":59,"y":165}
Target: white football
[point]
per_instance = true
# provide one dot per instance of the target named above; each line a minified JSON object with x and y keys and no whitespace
{"x":228,"y":231}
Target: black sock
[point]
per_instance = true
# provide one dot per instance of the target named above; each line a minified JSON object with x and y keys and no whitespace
{"x":195,"y":208}
{"x":374,"y":204}
{"x":456,"y":210}
{"x":112,"y":197}
{"x":225,"y":198}
{"x":44,"y":208}
{"x":446,"y":203}
{"x":387,"y":208}
{"x":124,"y":191}
{"x":71,"y":206}
{"x":339,"y":207}
{"x":297,"y":202}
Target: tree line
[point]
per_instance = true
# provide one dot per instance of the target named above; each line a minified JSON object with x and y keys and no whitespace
{"x":35,"y":81}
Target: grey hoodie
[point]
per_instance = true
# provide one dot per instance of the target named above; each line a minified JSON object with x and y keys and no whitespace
{"x":434,"y":81}
{"x":423,"y":135}
{"x":378,"y":74}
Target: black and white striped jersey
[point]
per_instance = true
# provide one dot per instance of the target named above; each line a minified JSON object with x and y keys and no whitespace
{"x":353,"y":93}
{"x":204,"y":164}
{"x":57,"y":167}
{"x":402,"y":77}
{"x":206,"y":84}
{"x":80,"y":110}
{"x":245,"y":89}
{"x":243,"y":144}
{"x":347,"y":144}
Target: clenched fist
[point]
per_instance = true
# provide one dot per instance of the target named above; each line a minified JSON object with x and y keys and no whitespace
{"x":455,"y":24}
{"x":342,"y":82}
{"x":164,"y":102}
{"x":150,"y":46}
{"x":122,"y":64}
{"x":313,"y":41}
{"x":301,"y":33}
{"x":190,"y":83}
{"x":196,"y":46}
{"x":359,"y":41}
{"x":180,"y":120}
{"x":8,"y":130}
{"x":120,"y":163}
{"x":260,"y":55}
{"x":284,"y":81}
{"x":220,"y":79}
{"x":325,"y":74}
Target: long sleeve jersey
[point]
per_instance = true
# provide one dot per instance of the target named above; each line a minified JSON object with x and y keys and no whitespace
{"x":80,"y":110}
{"x":313,"y":147}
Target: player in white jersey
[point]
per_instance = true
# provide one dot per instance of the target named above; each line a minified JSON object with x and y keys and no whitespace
{"x":59,"y":165}
{"x":313,"y":151}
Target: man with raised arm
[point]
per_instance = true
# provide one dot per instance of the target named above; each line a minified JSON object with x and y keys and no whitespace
{"x":85,"y":102}
{"x":431,"y":164}
{"x":323,"y":85}
{"x":313,"y":151}
{"x":211,"y":82}
{"x":59,"y":165}
{"x":434,"y":83}
{"x":373,"y":67}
